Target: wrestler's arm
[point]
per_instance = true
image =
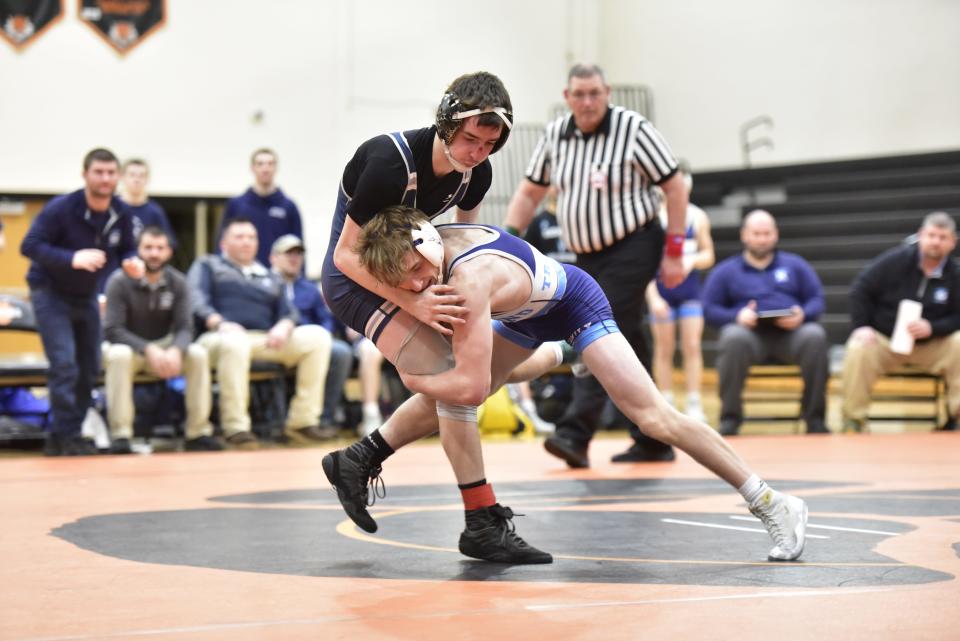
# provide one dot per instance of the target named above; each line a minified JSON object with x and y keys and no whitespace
{"x":468,"y":382}
{"x":439,"y":304}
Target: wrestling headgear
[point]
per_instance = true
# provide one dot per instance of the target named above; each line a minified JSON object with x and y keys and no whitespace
{"x":451,"y":114}
{"x":427,"y":241}
{"x":475,"y":94}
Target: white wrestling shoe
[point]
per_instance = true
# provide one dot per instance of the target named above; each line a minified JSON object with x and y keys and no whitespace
{"x":785,"y":518}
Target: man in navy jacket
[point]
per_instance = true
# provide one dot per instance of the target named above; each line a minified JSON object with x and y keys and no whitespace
{"x":263,"y":204}
{"x":765,"y":302}
{"x":70,"y":244}
{"x":922,"y":272}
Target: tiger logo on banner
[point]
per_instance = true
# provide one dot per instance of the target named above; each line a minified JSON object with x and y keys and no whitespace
{"x":123,"y":23}
{"x":21,"y":21}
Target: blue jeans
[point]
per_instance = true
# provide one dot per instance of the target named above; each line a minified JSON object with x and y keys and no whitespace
{"x":70,"y":331}
{"x":341,"y":362}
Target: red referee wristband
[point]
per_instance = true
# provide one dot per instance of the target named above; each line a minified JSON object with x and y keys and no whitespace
{"x":674,"y":245}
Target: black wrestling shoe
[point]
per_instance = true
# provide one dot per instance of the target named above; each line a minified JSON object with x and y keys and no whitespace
{"x":353,"y":474}
{"x":490,"y":536}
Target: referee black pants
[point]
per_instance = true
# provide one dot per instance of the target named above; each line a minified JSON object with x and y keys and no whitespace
{"x":623,"y":272}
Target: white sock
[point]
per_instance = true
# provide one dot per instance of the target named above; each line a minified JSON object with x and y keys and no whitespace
{"x":693,"y":399}
{"x":669,"y":396}
{"x":528,"y":406}
{"x":371,"y":410}
{"x":753,"y":488}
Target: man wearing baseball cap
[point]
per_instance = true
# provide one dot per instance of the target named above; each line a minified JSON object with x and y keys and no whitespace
{"x":286,"y":259}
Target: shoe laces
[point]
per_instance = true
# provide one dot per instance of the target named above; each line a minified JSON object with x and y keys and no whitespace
{"x":764,"y":511}
{"x":503,"y":521}
{"x":369,"y":483}
{"x":375,"y":488}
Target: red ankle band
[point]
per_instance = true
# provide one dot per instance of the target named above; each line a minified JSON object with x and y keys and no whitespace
{"x":475,"y":498}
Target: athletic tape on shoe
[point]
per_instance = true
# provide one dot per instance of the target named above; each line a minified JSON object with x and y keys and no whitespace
{"x":427,"y":241}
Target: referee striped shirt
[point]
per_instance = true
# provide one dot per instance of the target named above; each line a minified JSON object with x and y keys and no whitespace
{"x":604,"y":179}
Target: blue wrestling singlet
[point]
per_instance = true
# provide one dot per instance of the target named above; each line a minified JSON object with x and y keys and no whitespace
{"x":684,"y":299}
{"x":565,"y":302}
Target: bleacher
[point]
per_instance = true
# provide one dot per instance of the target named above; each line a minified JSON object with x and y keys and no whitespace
{"x":837,"y":215}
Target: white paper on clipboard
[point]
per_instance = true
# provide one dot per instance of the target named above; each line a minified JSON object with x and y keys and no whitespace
{"x":908,"y":311}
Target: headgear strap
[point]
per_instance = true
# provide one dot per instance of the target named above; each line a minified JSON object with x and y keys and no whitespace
{"x":500,"y":111}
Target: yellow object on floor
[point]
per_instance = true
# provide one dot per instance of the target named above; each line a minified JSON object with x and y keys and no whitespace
{"x":499,"y":416}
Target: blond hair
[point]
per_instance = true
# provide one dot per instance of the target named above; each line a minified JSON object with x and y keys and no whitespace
{"x":385,"y":240}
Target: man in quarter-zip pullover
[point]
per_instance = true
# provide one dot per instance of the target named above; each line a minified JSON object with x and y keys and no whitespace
{"x":69,"y":244}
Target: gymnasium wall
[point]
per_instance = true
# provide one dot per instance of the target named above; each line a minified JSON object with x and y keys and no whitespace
{"x":314,"y":78}
{"x":841,"y":79}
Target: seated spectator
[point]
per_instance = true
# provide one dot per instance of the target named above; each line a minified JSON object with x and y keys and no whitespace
{"x":286,"y":258}
{"x":922,"y":272}
{"x":670,"y":306}
{"x":148,"y":327}
{"x":765,"y":302}
{"x":243,"y":310}
{"x":146,"y":212}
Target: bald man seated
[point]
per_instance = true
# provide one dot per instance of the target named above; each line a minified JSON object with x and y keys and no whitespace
{"x":765,"y":302}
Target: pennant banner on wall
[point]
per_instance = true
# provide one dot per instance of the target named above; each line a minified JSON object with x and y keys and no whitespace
{"x":22,"y":21}
{"x":123,"y":23}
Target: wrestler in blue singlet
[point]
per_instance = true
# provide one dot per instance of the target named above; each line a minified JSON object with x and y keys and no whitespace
{"x":565,"y":302}
{"x":684,"y":299}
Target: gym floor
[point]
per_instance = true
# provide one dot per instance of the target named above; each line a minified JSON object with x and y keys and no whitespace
{"x":246,"y":546}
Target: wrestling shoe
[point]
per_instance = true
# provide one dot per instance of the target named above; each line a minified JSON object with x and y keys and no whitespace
{"x":785,"y":518}
{"x":356,"y":478}
{"x":490,"y":536}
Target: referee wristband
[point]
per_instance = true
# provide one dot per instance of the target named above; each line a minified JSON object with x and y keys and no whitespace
{"x":674,"y":245}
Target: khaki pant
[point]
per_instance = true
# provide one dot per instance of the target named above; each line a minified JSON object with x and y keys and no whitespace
{"x":864,"y":364}
{"x":121,"y":364}
{"x":308,"y":349}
